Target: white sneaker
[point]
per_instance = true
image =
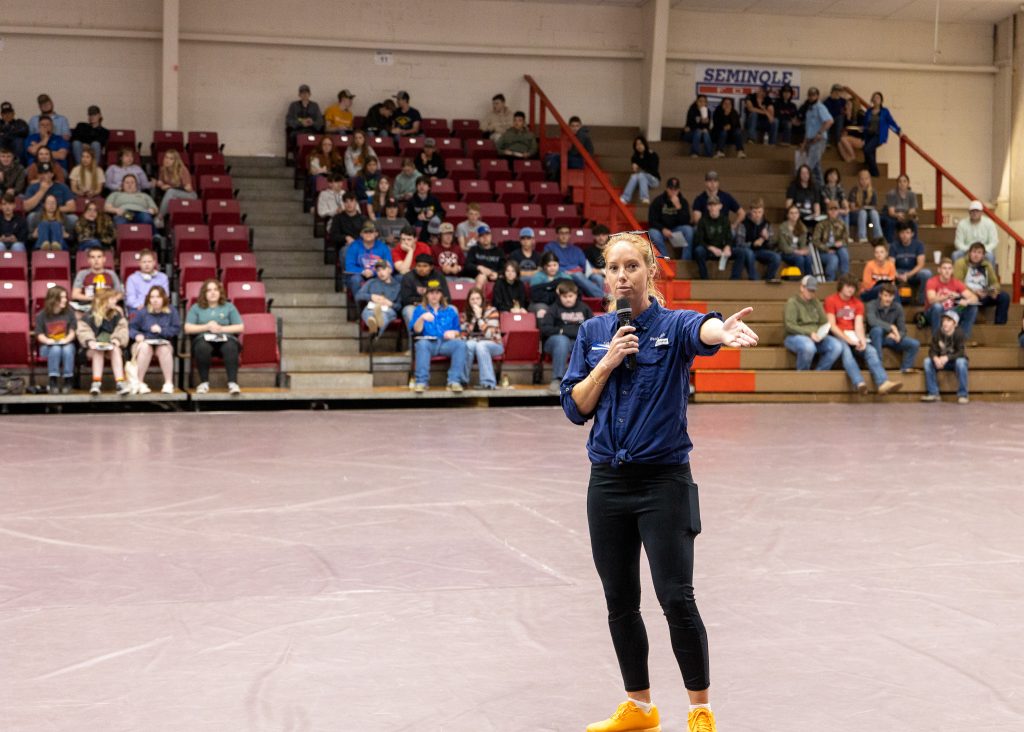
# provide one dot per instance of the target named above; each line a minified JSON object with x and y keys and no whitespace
{"x":143,"y":389}
{"x":122,"y":388}
{"x":234,"y":389}
{"x":168,"y":388}
{"x":95,"y":389}
{"x":719,"y":154}
{"x":741,"y":154}
{"x":203,"y":388}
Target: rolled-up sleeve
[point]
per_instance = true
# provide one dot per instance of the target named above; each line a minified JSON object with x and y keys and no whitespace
{"x":576,"y":372}
{"x":691,"y":334}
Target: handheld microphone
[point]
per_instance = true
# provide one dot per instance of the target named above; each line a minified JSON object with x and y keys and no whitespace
{"x":624,"y":313}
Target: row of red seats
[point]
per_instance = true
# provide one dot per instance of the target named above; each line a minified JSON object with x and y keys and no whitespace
{"x":517,"y":215}
{"x":383,"y":145}
{"x":216,"y":212}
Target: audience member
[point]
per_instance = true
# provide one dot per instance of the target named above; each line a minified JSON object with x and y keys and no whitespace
{"x":61,"y":126}
{"x":806,"y":196}
{"x":836,"y":105}
{"x":130,"y":205}
{"x":56,"y":328}
{"x":877,"y":123}
{"x":595,"y":253}
{"x":907,"y":252}
{"x":94,"y":228}
{"x":833,"y":191}
{"x":429,"y":162}
{"x":498,"y":120}
{"x":153,"y":330}
{"x":760,"y":116}
{"x":946,"y":353}
{"x":976,"y":227}
{"x":46,"y":137}
{"x":126,"y":166}
{"x":447,"y":253}
{"x":574,"y":160}
{"x":304,"y":115}
{"x":559,"y":327}
{"x":864,"y":203}
{"x":175,"y":182}
{"x":13,"y":227}
{"x":697,"y":130}
{"x":87,"y":178}
{"x":979,"y":276}
{"x":12,"y":175}
{"x":379,"y":118}
{"x":415,"y":284}
{"x":140,"y":283}
{"x":713,"y":240}
{"x":90,"y":135}
{"x":329,"y":201}
{"x":102,"y":332}
{"x":573,"y":262}
{"x":517,"y":141}
{"x":378,"y":204}
{"x":326,"y":158}
{"x":357,"y":153}
{"x":437,"y":332}
{"x":405,"y":181}
{"x":807,"y":329}
{"x":846,"y":322}
{"x":817,"y":122}
{"x":338,"y":117}
{"x":712,"y":188}
{"x":379,"y":297}
{"x":728,"y":131}
{"x":526,"y":256}
{"x":945,"y":293}
{"x":406,"y":121}
{"x":97,"y":278}
{"x":215,"y":325}
{"x":362,"y":254}
{"x":785,"y":115}
{"x":51,"y":232}
{"x":44,"y":187}
{"x":423,"y":207}
{"x":544,"y":284}
{"x":346,"y":225}
{"x":45,"y":157}
{"x":509,"y":291}
{"x":900,"y":206}
{"x":887,"y":327}
{"x":404,"y":253}
{"x":485,"y":261}
{"x":13,"y":131}
{"x":831,"y":237}
{"x":791,"y":241}
{"x":879,"y":271}
{"x":390,"y":224}
{"x":668,"y":220}
{"x":852,"y":138}
{"x":481,"y":329}
{"x":367,"y":181}
{"x":466,"y":230}
{"x":754,"y":243}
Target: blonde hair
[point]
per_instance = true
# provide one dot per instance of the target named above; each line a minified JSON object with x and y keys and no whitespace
{"x":103,"y":305}
{"x":645,"y":249}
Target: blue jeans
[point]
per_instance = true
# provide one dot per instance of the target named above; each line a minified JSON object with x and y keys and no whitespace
{"x":388,"y":315}
{"x":700,"y":143}
{"x":97,"y":151}
{"x":51,"y":231}
{"x":559,"y":346}
{"x":835,"y":262}
{"x":644,"y":181}
{"x":803,"y":261}
{"x":729,"y":137}
{"x":36,"y":216}
{"x":60,"y":359}
{"x":138,"y":217}
{"x":484,"y":352}
{"x":748,"y":256}
{"x":828,"y":350}
{"x":427,"y":348}
{"x":592,"y":286}
{"x":814,"y":152}
{"x":785,"y":126}
{"x":1001,"y":303}
{"x":862,"y":223}
{"x":889,"y":225}
{"x":968,"y":315}
{"x":757,"y":124}
{"x":931,"y":375}
{"x":871,"y":360}
{"x":869,"y":295}
{"x":870,"y":147}
{"x":906,"y":345}
{"x":918,"y":281}
{"x":658,"y":239}
{"x":14,"y":246}
{"x":703,"y":254}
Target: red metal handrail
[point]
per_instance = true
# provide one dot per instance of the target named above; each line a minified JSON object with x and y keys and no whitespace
{"x":940,"y":173}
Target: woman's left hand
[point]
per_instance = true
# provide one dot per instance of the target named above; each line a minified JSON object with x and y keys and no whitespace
{"x":736,"y":333}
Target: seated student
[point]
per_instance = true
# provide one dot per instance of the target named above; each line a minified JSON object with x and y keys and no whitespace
{"x":357,"y":153}
{"x":423,"y":207}
{"x":378,"y":117}
{"x":712,"y":187}
{"x":498,"y":119}
{"x":979,"y":276}
{"x":414,"y":285}
{"x":87,"y":177}
{"x":510,"y":294}
{"x":526,"y":256}
{"x":329,"y":201}
{"x":908,"y":255}
{"x":760,"y":116}
{"x":51,"y":232}
{"x":405,"y":182}
{"x":864,"y":205}
{"x":324,"y":160}
{"x":791,"y":241}
{"x":215,"y":324}
{"x":805,"y":195}
{"x":646,"y":172}
{"x":303,"y":115}
{"x":13,"y":227}
{"x":1020,"y":336}
{"x":574,"y":263}
{"x":785,"y":115}
{"x":90,"y":135}
{"x":697,"y":130}
{"x":45,"y":157}
{"x":104,"y":331}
{"x":833,"y":191}
{"x":140,"y":283}
{"x":361,"y":256}
{"x":573,"y":159}
{"x":429,"y":162}
{"x":544,"y":284}
{"x":807,"y":329}
{"x":130,"y":205}
{"x":831,"y":237}
{"x":126,"y":166}
{"x":976,"y":227}
{"x":465,"y":232}
{"x":946,"y":353}
{"x":379,"y":297}
{"x":377,"y":203}
{"x":754,"y":243}
{"x":517,"y":141}
{"x":346,"y":225}
{"x":367,"y":181}
{"x":390,"y":224}
{"x":485,"y":261}
{"x":846,"y":322}
{"x":12,"y":173}
{"x":713,"y":240}
{"x":405,"y":251}
{"x":900,"y":207}
{"x":728,"y":131}
{"x":559,"y":327}
{"x":943,"y":293}
{"x":448,"y":255}
{"x":152,"y":331}
{"x":406,"y":121}
{"x":47,"y":186}
{"x":173,"y":181}
{"x":338,"y":117}
{"x":481,"y":328}
{"x":46,"y":138}
{"x":887,"y":327}
{"x":97,"y":278}
{"x":437,"y":332}
{"x":881,"y":270}
{"x":56,"y":327}
{"x":668,"y":220}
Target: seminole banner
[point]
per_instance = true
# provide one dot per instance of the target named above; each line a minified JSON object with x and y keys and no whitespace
{"x":717,"y":81}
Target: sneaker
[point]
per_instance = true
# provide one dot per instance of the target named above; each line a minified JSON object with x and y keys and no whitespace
{"x":930,"y":398}
{"x":862,"y":240}
{"x":143,"y":389}
{"x":555,"y":387}
{"x":629,"y":718}
{"x":52,"y":387}
{"x":234,"y":389}
{"x":719,"y":154}
{"x":962,"y":400}
{"x":65,"y":387}
{"x":122,"y":388}
{"x":168,"y":388}
{"x":412,"y":384}
{"x":908,"y":371}
{"x":419,"y":388}
{"x":203,"y":388}
{"x":741,"y":154}
{"x":455,"y":387}
{"x":645,"y":201}
{"x":862,"y":388}
{"x":96,"y":388}
{"x":889,"y":387}
{"x":701,"y":720}
{"x":693,"y":155}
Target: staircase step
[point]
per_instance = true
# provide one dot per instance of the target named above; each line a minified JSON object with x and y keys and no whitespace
{"x":301,"y":242}
{"x":269,"y":172}
{"x":291,"y":218}
{"x":329,"y":380}
{"x":303,"y":270}
{"x":1007,"y":381}
{"x":304,"y":364}
{"x":271,"y":260}
{"x":295,"y":285}
{"x":326,"y":345}
{"x":326,"y":298}
{"x":299,"y":228}
{"x":299,"y":324}
{"x":257,"y":161}
{"x":255,"y":197}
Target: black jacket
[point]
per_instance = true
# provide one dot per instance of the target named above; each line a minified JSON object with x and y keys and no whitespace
{"x":664,"y":215}
{"x":414,"y":286}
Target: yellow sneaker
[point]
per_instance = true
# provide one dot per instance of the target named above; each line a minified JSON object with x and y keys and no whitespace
{"x":629,"y":718}
{"x":701,"y":720}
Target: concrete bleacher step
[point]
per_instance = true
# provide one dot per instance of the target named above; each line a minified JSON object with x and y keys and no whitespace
{"x":332,"y":380}
{"x":267,"y":162}
{"x":773,"y":334}
{"x":289,"y":257}
{"x":294,"y":314}
{"x":321,"y":345}
{"x":284,"y":217}
{"x":298,"y":269}
{"x":303,"y":242}
{"x":299,"y":285}
{"x":777,"y":357}
{"x":327,"y":362}
{"x":298,"y":227}
{"x":779,"y":381}
{"x":269,"y":195}
{"x":300,"y":325}
{"x":262,"y":172}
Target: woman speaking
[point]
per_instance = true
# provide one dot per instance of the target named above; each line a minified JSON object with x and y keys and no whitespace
{"x":633,"y":381}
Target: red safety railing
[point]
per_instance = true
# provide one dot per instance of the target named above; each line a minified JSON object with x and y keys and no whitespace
{"x":610,"y":210}
{"x":940,"y":174}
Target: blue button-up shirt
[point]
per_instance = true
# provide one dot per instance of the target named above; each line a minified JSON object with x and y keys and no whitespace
{"x":817,"y":115}
{"x":641,"y":414}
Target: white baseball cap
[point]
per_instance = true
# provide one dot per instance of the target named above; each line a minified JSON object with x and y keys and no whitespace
{"x":975,"y":206}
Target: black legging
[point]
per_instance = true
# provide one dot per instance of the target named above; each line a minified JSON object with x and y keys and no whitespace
{"x":653,"y":505}
{"x":204,"y":351}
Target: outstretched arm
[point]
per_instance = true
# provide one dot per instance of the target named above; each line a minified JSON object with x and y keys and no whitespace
{"x":731,"y":332}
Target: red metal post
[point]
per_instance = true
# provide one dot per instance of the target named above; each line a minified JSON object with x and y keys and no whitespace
{"x":563,"y":162}
{"x":533,"y":109}
{"x":903,"y":148}
{"x":542,"y":131}
{"x":1017,"y":274}
{"x":938,"y":197}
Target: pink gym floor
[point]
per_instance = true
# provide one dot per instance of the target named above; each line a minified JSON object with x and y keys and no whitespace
{"x":861,"y":568}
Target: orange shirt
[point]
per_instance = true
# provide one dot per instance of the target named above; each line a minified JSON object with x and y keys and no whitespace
{"x":875,"y":273}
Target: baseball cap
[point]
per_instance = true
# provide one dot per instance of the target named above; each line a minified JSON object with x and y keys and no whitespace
{"x":711,"y":175}
{"x":368,"y":226}
{"x":424,"y":258}
{"x":6,"y":107}
{"x":526,"y":233}
{"x":810,"y":282}
{"x":446,"y":228}
{"x":304,"y":88}
{"x":434,"y":285}
{"x":483,"y":229}
{"x":975,"y":206}
{"x":347,"y":94}
{"x":837,"y":87}
{"x":434,"y":226}
{"x":430,"y":142}
{"x":673,"y":182}
{"x":43,"y":99}
{"x":93,"y":109}
{"x":381,"y":264}
{"x":402,"y":95}
{"x":952,"y":315}
{"x":45,"y":168}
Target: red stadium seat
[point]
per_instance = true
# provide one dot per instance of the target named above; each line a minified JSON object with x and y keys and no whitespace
{"x":120,"y":138}
{"x":223,"y":212}
{"x":233,"y":238}
{"x":475,"y":190}
{"x":521,"y":337}
{"x":51,"y":265}
{"x":14,"y":266}
{"x":466,"y":129}
{"x":495,"y":169}
{"x":196,"y":259}
{"x":510,"y":191}
{"x":129,"y":266}
{"x":182,"y":211}
{"x":15,"y":350}
{"x":562,"y":214}
{"x":505,"y":234}
{"x":203,"y":142}
{"x":583,"y":238}
{"x":433,"y":127}
{"x":191,"y":294}
{"x":460,"y":293}
{"x":133,"y":237}
{"x":543,"y":235}
{"x":304,"y":145}
{"x":208,"y":163}
{"x":81,"y":202}
{"x":216,"y":186}
{"x":527,"y":214}
{"x":481,"y":149}
{"x":454,"y":212}
{"x":248,"y":297}
{"x":409,"y":147}
{"x":13,"y":296}
{"x":444,"y":189}
{"x":199,"y":272}
{"x":495,"y":214}
{"x":259,"y":341}
{"x":191,"y":238}
{"x":42,"y":286}
{"x":460,"y":168}
{"x":166,"y":140}
{"x":382,"y":144}
{"x":82,"y":261}
{"x":450,"y":147}
{"x":238,"y":267}
{"x":546,"y":193}
{"x":390,"y":165}
{"x":528,"y":170}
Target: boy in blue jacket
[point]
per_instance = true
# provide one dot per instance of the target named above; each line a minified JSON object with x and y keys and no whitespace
{"x":362,"y":255}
